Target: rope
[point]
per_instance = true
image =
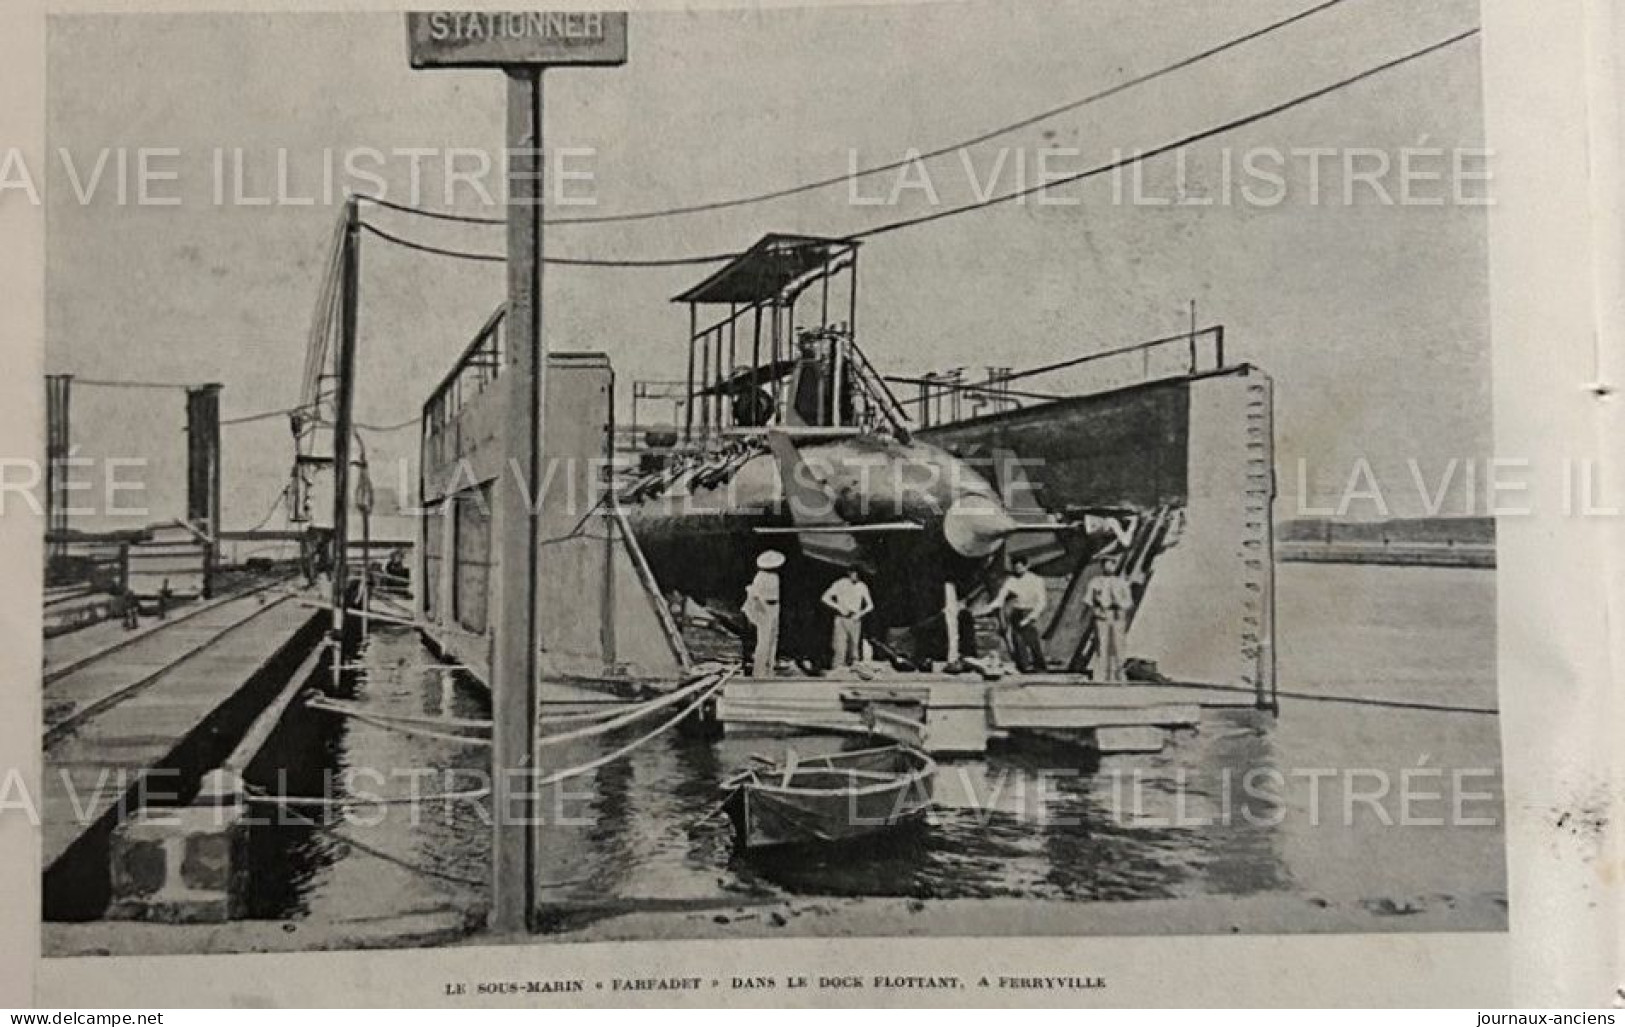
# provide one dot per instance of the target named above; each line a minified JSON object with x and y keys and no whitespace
{"x":713,"y":258}
{"x":397,"y":426}
{"x":330,"y":802}
{"x":584,"y":768}
{"x":585,"y":715}
{"x":365,"y":614}
{"x":323,"y":315}
{"x":318,"y":702}
{"x":419,"y":732}
{"x":382,"y":428}
{"x":638,"y":712}
{"x":1178,"y":144}
{"x":387,"y":857}
{"x":833,"y":180}
{"x":1349,"y":700}
{"x":275,"y":503}
{"x":263,"y":415}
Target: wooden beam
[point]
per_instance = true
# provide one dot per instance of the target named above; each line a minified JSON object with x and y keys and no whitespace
{"x":515,"y":652}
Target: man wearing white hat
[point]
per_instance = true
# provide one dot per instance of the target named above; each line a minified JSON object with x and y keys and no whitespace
{"x":761,"y":608}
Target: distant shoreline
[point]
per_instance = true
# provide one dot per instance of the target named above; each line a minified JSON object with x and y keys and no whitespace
{"x":1395,"y":555}
{"x":1405,"y":542}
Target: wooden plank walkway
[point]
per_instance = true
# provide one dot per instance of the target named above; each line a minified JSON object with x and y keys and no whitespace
{"x":114,"y":718}
{"x":68,"y":652}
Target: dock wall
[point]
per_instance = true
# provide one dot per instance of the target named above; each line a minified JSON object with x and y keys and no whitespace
{"x":77,"y":882}
{"x":1200,"y":446}
{"x":1208,"y":611}
{"x":598,"y":620}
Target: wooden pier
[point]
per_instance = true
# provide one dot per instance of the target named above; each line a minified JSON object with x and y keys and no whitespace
{"x":142,"y":727}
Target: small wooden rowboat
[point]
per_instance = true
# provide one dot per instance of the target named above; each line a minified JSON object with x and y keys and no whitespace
{"x":829,"y":798}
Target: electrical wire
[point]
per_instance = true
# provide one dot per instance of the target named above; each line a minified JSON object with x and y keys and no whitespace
{"x":287,"y":411}
{"x":1142,"y":156}
{"x":943,"y":150}
{"x":938,"y":215}
{"x":689,"y":261}
{"x":429,"y":212}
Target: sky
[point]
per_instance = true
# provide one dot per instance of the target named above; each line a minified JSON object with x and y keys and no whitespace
{"x":1371,"y":317}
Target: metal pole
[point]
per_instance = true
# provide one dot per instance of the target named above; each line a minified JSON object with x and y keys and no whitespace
{"x":420,"y":555}
{"x":606,"y":611}
{"x":53,"y":448}
{"x":837,"y":361}
{"x":1193,"y":336}
{"x":516,"y":646}
{"x":733,"y":344}
{"x":778,"y":380}
{"x":216,"y":473}
{"x":705,"y":383}
{"x":66,"y":450}
{"x":343,"y":413}
{"x":688,"y":400}
{"x":366,"y":552}
{"x":791,"y":353}
{"x":852,"y":296}
{"x":756,"y":355}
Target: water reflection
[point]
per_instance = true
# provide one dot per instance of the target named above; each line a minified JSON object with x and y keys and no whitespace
{"x":1025,"y":822}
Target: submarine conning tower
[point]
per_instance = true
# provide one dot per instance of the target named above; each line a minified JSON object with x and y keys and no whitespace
{"x":773,"y":344}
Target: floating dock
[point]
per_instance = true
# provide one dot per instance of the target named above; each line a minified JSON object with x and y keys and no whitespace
{"x":963,"y":714}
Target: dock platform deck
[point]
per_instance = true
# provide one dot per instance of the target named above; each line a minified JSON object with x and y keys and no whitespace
{"x":167,"y":699}
{"x":962,"y":713}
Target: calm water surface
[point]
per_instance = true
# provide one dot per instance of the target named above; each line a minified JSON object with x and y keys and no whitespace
{"x":1025,"y":822}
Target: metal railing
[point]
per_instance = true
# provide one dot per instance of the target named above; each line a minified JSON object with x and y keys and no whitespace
{"x":944,"y":397}
{"x":479,"y":365}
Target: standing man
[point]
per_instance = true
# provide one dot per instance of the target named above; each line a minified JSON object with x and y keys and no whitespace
{"x":761,"y":608}
{"x":1027,"y":596}
{"x":131,"y":608}
{"x":849,"y":600}
{"x":1110,"y":599}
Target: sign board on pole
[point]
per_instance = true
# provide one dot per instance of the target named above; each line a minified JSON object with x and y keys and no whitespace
{"x":508,"y":39}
